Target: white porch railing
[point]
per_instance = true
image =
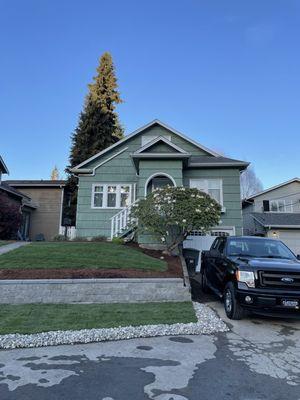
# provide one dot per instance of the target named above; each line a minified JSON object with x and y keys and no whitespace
{"x":121,"y":221}
{"x":71,"y":231}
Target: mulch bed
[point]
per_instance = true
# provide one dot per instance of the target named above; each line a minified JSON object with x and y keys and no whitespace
{"x":174,"y":270}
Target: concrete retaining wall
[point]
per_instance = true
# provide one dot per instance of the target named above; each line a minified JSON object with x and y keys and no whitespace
{"x":93,"y":290}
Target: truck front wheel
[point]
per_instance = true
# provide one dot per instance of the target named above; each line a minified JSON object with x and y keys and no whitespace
{"x":232,"y":308}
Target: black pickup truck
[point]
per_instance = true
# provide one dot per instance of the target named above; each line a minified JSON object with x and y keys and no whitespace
{"x":251,"y":273}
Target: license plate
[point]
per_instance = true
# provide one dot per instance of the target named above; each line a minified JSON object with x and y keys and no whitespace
{"x":290,"y":303}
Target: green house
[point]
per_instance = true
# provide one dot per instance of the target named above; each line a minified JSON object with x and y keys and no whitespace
{"x":153,"y":156}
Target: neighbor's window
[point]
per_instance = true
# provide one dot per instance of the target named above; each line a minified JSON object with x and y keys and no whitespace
{"x":281,"y":206}
{"x":111,"y":196}
{"x":213,"y":187}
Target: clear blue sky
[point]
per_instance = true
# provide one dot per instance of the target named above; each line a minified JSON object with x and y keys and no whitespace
{"x":226,"y":73}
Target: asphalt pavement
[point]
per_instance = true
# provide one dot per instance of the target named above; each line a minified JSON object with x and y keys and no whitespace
{"x":258,"y":359}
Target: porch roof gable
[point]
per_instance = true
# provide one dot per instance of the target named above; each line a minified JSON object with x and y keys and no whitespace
{"x":160,"y":139}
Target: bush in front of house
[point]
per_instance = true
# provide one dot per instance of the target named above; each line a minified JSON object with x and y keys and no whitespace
{"x":171,"y":213}
{"x":10,"y":217}
{"x":60,"y":238}
{"x":117,"y":240}
{"x":81,"y":239}
{"x":99,"y":238}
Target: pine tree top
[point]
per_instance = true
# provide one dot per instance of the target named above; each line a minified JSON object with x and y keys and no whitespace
{"x":54,"y":174}
{"x":103,"y":90}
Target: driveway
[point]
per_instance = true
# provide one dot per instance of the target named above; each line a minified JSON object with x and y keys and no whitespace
{"x":257,"y":359}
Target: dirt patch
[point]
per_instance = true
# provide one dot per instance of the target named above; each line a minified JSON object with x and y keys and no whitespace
{"x":174,"y":270}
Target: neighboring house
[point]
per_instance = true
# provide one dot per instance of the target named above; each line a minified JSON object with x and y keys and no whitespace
{"x":151,"y":157}
{"x":47,"y":197}
{"x":20,"y":199}
{"x":275,"y":212}
{"x":3,"y":168}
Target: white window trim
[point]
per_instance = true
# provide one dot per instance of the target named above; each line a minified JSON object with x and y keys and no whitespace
{"x":194,"y":180}
{"x":159,"y":174}
{"x":285,"y":205}
{"x":105,"y":192}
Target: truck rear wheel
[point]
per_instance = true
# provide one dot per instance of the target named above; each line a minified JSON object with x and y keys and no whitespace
{"x":232,"y":307}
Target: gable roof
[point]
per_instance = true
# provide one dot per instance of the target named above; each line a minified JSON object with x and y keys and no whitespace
{"x":26,"y":200}
{"x":137,"y":132}
{"x":273,"y":188}
{"x":157,"y":140}
{"x":7,"y":188}
{"x":3,"y":167}
{"x":278,"y":220}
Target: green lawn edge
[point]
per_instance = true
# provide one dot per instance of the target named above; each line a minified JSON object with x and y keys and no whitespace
{"x":35,"y":318}
{"x":4,"y":243}
{"x":95,"y":255}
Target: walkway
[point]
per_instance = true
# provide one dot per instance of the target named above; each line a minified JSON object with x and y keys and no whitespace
{"x":12,"y":246}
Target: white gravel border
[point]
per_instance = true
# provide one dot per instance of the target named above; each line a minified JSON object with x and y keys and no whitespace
{"x":208,"y":323}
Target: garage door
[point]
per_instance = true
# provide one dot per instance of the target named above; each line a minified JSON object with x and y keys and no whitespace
{"x":291,"y":239}
{"x":201,"y":241}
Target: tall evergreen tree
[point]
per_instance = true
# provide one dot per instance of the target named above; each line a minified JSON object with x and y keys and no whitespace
{"x":54,"y":174}
{"x":98,"y":125}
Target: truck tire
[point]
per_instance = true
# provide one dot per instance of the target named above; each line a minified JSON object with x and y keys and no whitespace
{"x":232,"y":307}
{"x":204,"y":285}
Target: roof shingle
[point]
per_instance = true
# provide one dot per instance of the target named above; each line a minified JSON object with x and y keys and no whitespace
{"x":278,"y":219}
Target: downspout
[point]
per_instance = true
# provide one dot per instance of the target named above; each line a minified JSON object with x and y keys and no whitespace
{"x":61,"y":208}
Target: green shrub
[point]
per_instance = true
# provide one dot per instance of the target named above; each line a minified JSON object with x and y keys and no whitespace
{"x":99,"y":238}
{"x":59,"y":238}
{"x":117,"y":240}
{"x":171,"y":213}
{"x":81,"y":239}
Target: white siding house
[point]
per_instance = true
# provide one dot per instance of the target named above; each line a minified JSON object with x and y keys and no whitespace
{"x":275,"y":213}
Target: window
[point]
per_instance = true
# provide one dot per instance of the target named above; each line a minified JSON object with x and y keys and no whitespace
{"x":213,"y":187}
{"x":125,"y":196}
{"x":148,"y":138}
{"x":215,"y":244}
{"x":219,"y":233}
{"x":221,"y":247}
{"x":281,"y":206}
{"x":111,"y":196}
{"x":260,"y":248}
{"x":98,"y":196}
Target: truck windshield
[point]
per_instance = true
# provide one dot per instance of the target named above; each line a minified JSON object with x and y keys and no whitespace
{"x":260,"y":248}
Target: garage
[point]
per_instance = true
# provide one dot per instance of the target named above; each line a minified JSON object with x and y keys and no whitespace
{"x":199,"y":240}
{"x":290,"y":237}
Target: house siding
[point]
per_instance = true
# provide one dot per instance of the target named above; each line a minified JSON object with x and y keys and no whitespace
{"x":46,"y":219}
{"x":120,"y":169}
{"x":289,"y":192}
{"x":231,"y":192}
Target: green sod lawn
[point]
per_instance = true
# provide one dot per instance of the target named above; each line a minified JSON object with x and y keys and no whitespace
{"x":33,"y":318}
{"x":79,"y":255}
{"x":3,"y":242}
